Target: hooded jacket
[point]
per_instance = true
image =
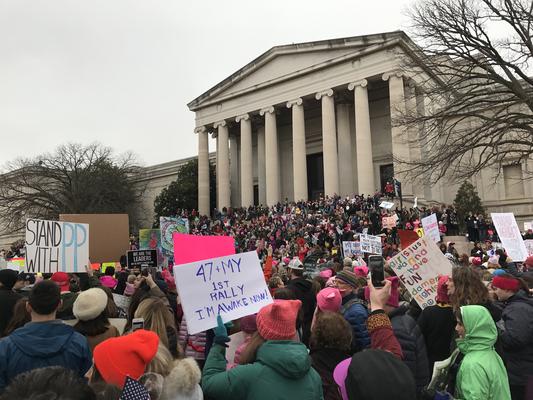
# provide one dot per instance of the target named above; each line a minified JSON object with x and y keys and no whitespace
{"x":355,"y":312}
{"x":43,"y":344}
{"x":516,"y":338}
{"x":183,"y":381}
{"x":303,"y":291}
{"x":482,"y":375}
{"x":282,"y":370}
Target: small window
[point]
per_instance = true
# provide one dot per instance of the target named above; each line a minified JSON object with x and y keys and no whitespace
{"x":514,"y":185}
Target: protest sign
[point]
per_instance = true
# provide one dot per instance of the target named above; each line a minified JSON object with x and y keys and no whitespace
{"x":431,"y":227}
{"x":370,"y":244}
{"x":142,"y":258}
{"x":419,"y":232}
{"x":529,"y":246}
{"x":351,"y":249}
{"x":150,"y":239}
{"x":418,"y":267}
{"x":53,"y":246}
{"x":407,"y":237}
{"x":190,"y":248}
{"x":16,"y":264}
{"x":386,"y":204}
{"x":389,"y":222}
{"x":232,"y":286}
{"x":168,"y":226}
{"x":510,"y":235}
{"x":528,"y":226}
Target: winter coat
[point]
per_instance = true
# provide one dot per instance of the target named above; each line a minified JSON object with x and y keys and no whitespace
{"x":413,"y":345}
{"x":356,"y":313}
{"x":192,"y":345}
{"x":282,"y":370}
{"x":183,"y":381}
{"x":43,"y":344}
{"x":8,"y":298}
{"x":324,"y":362}
{"x":481,"y":374}
{"x":303,"y":290}
{"x":516,"y":337}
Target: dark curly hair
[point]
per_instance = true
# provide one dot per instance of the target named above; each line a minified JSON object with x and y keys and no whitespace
{"x":331,"y":331}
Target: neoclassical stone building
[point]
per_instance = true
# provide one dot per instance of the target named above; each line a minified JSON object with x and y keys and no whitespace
{"x":311,"y":118}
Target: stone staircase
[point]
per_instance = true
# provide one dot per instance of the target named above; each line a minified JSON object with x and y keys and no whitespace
{"x":461,"y":244}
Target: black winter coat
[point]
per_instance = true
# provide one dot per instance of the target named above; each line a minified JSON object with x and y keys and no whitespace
{"x":413,"y":345}
{"x":324,"y":362}
{"x":8,"y":298}
{"x":516,"y":337}
{"x":303,"y":291}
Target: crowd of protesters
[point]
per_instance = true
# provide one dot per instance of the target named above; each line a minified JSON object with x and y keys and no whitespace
{"x":329,"y":333}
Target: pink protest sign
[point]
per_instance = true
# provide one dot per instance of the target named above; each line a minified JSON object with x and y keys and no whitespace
{"x":192,"y":248}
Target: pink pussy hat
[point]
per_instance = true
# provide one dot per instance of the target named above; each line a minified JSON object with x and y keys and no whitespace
{"x":361,"y":271}
{"x":329,"y":299}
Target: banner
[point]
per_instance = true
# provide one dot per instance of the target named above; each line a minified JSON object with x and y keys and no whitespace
{"x":351,"y":249}
{"x":510,"y":235}
{"x":386,"y":204}
{"x":168,"y":226}
{"x":431,"y":227}
{"x":232,"y":286}
{"x":190,"y":248}
{"x":150,"y":239}
{"x":53,"y":246}
{"x":370,"y":244}
{"x":142,"y":258}
{"x":418,"y":267}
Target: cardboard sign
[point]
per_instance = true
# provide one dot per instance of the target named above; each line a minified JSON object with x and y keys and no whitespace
{"x":351,"y":249}
{"x":418,"y":267}
{"x":53,"y":246}
{"x":431,"y":227}
{"x":371,"y":244}
{"x":142,"y":258}
{"x":510,"y":235}
{"x":232,"y":286}
{"x":529,"y":246}
{"x":386,"y":204}
{"x":190,"y":248}
{"x":168,"y":226}
{"x":389,"y":222}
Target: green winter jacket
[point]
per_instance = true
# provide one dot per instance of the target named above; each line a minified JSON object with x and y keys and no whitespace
{"x":282,"y":371}
{"x":482,"y":375}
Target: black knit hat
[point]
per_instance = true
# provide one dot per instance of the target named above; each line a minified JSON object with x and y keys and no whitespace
{"x":8,"y":278}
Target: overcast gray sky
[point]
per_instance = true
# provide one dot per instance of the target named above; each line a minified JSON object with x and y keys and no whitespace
{"x":121,"y":72}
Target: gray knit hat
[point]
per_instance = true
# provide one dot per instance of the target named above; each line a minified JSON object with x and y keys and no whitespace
{"x":347,"y":277}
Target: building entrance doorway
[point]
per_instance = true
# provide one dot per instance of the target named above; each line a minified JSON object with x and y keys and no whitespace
{"x":386,"y":174}
{"x":315,"y":176}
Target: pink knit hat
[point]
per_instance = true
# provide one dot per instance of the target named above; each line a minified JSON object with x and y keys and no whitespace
{"x":394,"y":299}
{"x":329,"y":299}
{"x":442,"y":289}
{"x":108,"y":281}
{"x":361,"y":271}
{"x":327,"y":273}
{"x":129,"y":290}
{"x":277,"y":321}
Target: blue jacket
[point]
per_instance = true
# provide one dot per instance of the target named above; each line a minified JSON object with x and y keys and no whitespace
{"x":43,"y":344}
{"x":355,"y":312}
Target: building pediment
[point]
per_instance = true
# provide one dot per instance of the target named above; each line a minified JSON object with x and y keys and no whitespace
{"x":285,"y":62}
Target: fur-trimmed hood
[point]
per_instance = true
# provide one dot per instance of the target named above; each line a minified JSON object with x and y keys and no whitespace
{"x":183,"y":381}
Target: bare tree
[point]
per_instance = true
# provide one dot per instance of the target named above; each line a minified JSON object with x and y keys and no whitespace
{"x":475,"y":58}
{"x":74,"y":179}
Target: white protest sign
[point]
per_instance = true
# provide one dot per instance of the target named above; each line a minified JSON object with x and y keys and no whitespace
{"x":431,"y":227}
{"x":418,"y":267}
{"x":389,"y":222}
{"x":232,"y":286}
{"x":53,"y":246}
{"x":386,"y":204}
{"x":528,"y":226}
{"x":510,"y":235}
{"x":351,"y":249}
{"x":371,"y":244}
{"x":529,"y":246}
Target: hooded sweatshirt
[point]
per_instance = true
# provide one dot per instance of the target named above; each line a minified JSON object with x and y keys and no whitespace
{"x":282,"y":370}
{"x":43,"y":344}
{"x":482,"y":374}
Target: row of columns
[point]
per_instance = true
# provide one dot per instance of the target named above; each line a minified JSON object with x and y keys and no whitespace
{"x":336,"y":142}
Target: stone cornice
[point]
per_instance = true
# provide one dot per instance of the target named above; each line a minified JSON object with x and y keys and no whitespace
{"x":297,"y":102}
{"x":362,"y":83}
{"x":269,"y":110}
{"x":327,"y":92}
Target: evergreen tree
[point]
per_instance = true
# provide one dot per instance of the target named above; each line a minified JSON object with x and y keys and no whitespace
{"x":182,"y":194}
{"x":467,"y":200}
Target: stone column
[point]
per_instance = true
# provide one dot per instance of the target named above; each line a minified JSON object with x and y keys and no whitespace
{"x":271,"y":156}
{"x":363,"y":138}
{"x":203,"y":171}
{"x":235,"y":193}
{"x":329,"y":143}
{"x":261,"y":165}
{"x":400,"y":149}
{"x":223,"y":179}
{"x":247,"y":180}
{"x":299,"y":155}
{"x":414,"y":146}
{"x":344,"y":150}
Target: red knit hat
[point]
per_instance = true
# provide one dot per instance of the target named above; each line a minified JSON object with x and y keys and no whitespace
{"x":61,"y":278}
{"x":123,"y":356}
{"x":277,"y":321}
{"x":502,"y":282}
{"x":442,"y":289}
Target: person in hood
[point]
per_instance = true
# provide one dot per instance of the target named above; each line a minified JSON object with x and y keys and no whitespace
{"x":8,"y":297}
{"x":45,"y":341}
{"x":273,"y":366}
{"x":515,"y":331}
{"x":303,"y":291}
{"x":481,"y":374}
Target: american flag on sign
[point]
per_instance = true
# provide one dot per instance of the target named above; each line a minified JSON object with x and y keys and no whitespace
{"x":134,"y":390}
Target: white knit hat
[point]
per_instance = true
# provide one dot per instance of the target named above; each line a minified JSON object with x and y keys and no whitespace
{"x":90,"y":304}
